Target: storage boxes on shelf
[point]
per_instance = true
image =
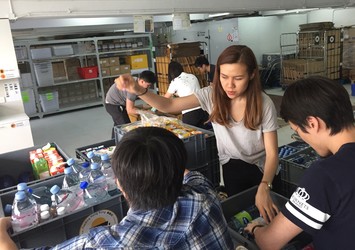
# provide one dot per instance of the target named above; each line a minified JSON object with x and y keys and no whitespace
{"x":200,"y":145}
{"x":62,"y":50}
{"x":49,"y":101}
{"x":138,"y":61}
{"x":44,"y":73}
{"x":244,"y":200}
{"x":41,"y":53}
{"x":29,"y":102}
{"x":88,"y":72}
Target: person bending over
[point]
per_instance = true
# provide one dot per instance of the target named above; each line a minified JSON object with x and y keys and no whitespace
{"x":119,"y":104}
{"x":184,"y":84}
{"x":320,"y":111}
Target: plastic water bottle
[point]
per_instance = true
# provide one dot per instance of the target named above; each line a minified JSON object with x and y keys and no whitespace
{"x":71,"y":180}
{"x":92,"y":193}
{"x":53,"y":207}
{"x":41,"y":194}
{"x":97,"y":177}
{"x":107,"y":170}
{"x":24,"y":213}
{"x":93,"y":157}
{"x":23,"y":187}
{"x":84,"y":173}
{"x":44,"y":213}
{"x":66,"y":200}
{"x":75,"y":165}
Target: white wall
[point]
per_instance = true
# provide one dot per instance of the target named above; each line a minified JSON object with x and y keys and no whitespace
{"x":262,"y":34}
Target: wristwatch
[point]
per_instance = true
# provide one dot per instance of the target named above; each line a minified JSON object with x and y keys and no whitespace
{"x":269,"y":184}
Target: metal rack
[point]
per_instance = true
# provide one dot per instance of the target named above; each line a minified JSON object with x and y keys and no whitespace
{"x":315,"y":53}
{"x":71,"y":91}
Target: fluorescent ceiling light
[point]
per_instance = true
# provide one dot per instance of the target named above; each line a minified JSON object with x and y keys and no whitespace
{"x":218,"y":14}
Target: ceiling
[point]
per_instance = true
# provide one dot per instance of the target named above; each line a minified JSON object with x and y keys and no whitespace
{"x":44,"y":18}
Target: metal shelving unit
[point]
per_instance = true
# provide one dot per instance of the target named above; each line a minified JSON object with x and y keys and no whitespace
{"x":54,"y":81}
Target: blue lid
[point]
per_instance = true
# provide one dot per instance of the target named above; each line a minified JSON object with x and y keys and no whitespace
{"x":90,"y":154}
{"x":30,"y":190}
{"x":55,"y":189}
{"x":70,"y":161}
{"x":84,"y":184}
{"x":85,"y":164}
{"x":105,"y":157}
{"x":21,"y":186}
{"x":67,"y":170}
{"x":20,"y":195}
{"x":8,"y":209}
{"x":94,"y":165}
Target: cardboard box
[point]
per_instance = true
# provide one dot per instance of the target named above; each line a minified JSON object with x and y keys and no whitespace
{"x":59,"y":71}
{"x":114,"y":61}
{"x":104,"y":62}
{"x":115,"y":70}
{"x":125,"y":68}
{"x":137,"y":61}
{"x":105,"y":71}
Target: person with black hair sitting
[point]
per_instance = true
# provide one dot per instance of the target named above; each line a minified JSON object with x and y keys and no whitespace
{"x":169,"y":206}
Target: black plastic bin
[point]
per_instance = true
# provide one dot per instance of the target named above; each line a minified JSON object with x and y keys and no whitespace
{"x":245,"y":199}
{"x":18,"y":162}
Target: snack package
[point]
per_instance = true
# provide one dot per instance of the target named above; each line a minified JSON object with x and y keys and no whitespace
{"x":174,"y":125}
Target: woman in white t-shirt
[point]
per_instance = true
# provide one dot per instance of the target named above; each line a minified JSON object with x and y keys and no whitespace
{"x":184,"y":84}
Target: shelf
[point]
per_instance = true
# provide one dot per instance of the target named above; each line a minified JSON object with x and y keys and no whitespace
{"x":68,"y":82}
{"x":60,"y":58}
{"x":124,"y":51}
{"x":53,"y":76}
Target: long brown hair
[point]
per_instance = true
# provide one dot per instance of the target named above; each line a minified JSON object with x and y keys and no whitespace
{"x":222,"y":103}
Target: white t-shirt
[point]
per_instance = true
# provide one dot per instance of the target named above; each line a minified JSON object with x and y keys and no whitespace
{"x":238,"y":142}
{"x":183,"y":85}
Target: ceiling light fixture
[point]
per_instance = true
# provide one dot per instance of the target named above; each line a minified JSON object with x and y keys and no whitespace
{"x":218,"y":14}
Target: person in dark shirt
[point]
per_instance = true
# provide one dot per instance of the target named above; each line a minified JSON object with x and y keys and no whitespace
{"x":320,"y":112}
{"x":205,"y":67}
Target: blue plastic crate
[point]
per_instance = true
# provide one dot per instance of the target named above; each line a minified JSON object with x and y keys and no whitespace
{"x":18,"y":162}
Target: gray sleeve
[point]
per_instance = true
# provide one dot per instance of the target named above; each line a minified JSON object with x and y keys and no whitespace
{"x":269,"y":122}
{"x":204,"y":96}
{"x":131,"y":97}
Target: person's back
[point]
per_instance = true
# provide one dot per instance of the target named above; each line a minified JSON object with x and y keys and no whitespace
{"x":194,"y":221}
{"x":184,"y":84}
